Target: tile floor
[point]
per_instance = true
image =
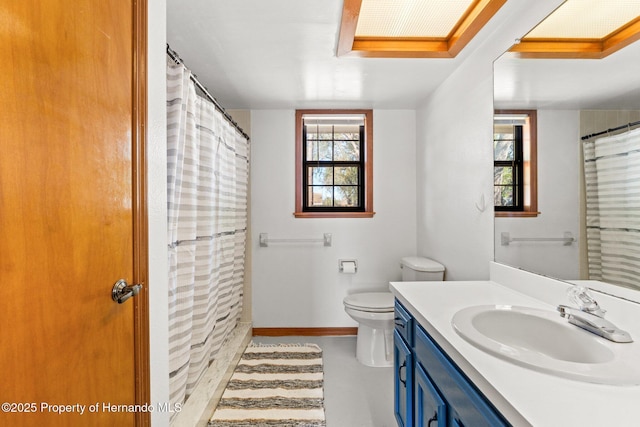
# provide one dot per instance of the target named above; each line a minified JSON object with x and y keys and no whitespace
{"x":354,"y":395}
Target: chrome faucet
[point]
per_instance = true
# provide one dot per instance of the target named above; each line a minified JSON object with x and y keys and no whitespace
{"x":590,"y":317}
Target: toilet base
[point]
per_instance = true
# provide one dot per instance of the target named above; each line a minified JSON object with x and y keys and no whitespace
{"x":374,"y":347}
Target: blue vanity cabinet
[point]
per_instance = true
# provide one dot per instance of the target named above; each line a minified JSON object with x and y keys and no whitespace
{"x":466,"y":406}
{"x":403,"y":367}
{"x":429,"y":389}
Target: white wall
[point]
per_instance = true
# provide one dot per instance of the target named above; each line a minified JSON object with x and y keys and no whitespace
{"x":454,"y":153}
{"x":558,"y":202}
{"x":298,"y":285}
{"x":454,"y":149}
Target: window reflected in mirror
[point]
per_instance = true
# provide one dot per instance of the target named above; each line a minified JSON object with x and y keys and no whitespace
{"x":514,"y":163}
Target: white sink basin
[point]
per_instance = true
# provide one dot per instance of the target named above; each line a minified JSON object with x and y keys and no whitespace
{"x":543,"y":341}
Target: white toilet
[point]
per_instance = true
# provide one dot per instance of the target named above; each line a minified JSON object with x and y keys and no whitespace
{"x":374,"y":312}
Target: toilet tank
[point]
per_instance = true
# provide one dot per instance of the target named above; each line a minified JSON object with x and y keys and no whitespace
{"x":420,"y":269}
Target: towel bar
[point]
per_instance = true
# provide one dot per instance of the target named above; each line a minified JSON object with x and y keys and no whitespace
{"x":265,"y":240}
{"x":567,"y":239}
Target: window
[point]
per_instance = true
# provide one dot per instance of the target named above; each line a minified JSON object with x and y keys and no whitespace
{"x":334,"y":163}
{"x":514,"y":163}
{"x":507,"y":168}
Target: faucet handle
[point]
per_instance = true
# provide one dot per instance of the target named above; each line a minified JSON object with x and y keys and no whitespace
{"x":581,"y":297}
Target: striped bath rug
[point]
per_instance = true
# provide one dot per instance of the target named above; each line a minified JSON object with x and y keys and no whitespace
{"x":274,"y":385}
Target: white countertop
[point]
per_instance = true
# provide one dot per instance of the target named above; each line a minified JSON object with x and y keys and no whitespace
{"x":525,"y":397}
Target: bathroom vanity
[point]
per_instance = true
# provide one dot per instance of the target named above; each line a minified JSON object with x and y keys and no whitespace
{"x":443,"y":379}
{"x":444,"y":396}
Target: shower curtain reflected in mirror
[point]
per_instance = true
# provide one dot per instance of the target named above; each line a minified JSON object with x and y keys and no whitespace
{"x":207,"y":161}
{"x":612,"y":176}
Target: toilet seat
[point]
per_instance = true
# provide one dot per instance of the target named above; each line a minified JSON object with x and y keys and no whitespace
{"x":371,"y":302}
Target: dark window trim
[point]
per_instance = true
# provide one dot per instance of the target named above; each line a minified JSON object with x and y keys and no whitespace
{"x":517,"y":166}
{"x":333,"y":163}
{"x":335,"y":212}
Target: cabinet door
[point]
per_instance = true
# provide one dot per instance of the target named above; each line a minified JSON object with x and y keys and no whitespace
{"x":466,"y":405}
{"x":403,"y":381}
{"x":430,"y":408}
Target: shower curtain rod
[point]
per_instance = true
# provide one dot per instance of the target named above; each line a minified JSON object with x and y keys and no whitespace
{"x":176,"y":58}
{"x":628,"y":125}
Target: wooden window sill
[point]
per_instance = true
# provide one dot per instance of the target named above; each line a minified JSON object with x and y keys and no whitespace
{"x":334,"y":214}
{"x":517,"y":214}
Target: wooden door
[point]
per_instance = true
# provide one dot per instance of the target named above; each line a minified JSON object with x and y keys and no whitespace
{"x":71,"y":211}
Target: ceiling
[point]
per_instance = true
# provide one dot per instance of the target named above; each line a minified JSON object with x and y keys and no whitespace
{"x":282,"y":54}
{"x":609,"y":83}
{"x":256,"y":54}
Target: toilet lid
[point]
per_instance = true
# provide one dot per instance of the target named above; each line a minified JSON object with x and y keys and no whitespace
{"x":422,"y":264}
{"x":370,"y":301}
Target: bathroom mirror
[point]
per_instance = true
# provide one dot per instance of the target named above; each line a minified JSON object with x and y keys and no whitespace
{"x":572,"y":98}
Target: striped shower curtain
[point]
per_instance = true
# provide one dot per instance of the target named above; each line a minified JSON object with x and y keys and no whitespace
{"x":612,"y":175}
{"x":207,"y":181}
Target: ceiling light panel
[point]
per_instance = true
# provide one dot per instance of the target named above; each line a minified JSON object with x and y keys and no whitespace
{"x":410,"y":18}
{"x":586,"y":19}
